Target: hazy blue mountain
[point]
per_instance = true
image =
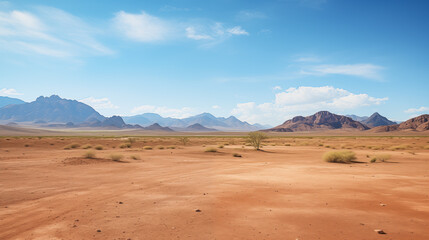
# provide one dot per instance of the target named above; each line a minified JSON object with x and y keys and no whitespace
{"x":199,"y":128}
{"x":51,"y":109}
{"x":206,"y":120}
{"x":4,"y":101}
{"x":357,"y":118}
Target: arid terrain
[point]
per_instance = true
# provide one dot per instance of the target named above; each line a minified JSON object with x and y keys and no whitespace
{"x":163,"y":189}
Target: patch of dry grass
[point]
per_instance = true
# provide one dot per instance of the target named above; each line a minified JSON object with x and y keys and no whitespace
{"x":211,"y":150}
{"x":89,"y":154}
{"x":339,"y":156}
{"x":116,"y":157}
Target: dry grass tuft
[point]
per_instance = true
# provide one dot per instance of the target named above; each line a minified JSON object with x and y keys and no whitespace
{"x":125,"y":145}
{"x":236,"y":155}
{"x":380,"y":158}
{"x":211,"y":150}
{"x":86,"y":146}
{"x":135,"y":157}
{"x":89,"y":154}
{"x":339,"y":156}
{"x":98,"y":147}
{"x":116,"y":157}
{"x":147,"y":148}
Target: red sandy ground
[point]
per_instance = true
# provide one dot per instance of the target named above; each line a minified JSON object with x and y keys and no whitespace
{"x":283,"y":192}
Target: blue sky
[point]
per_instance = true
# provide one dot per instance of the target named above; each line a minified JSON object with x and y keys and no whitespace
{"x":262,"y":61}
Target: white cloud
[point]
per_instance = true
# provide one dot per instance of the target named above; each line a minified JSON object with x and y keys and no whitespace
{"x":141,"y":27}
{"x":164,"y":111}
{"x":416,"y":110}
{"x":237,"y":30}
{"x":100,"y":103}
{"x":301,"y":101}
{"x":191,"y":33}
{"x":277,"y":88}
{"x":48,"y":31}
{"x":216,"y":107}
{"x":9,"y":92}
{"x":370,"y":71}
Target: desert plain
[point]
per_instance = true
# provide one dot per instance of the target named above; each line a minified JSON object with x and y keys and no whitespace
{"x":50,"y":188}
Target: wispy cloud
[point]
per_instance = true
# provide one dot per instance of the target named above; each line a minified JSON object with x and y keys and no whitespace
{"x":165,"y":111}
{"x":50,"y":32}
{"x":277,"y":88}
{"x":237,"y":30}
{"x":9,"y":92}
{"x":246,"y":15}
{"x":141,"y":27}
{"x":416,"y":110}
{"x":191,"y":33}
{"x":216,"y":107}
{"x":304,"y":100}
{"x":99,"y":103}
{"x":370,"y":71}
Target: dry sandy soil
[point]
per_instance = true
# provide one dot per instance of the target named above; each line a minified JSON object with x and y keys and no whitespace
{"x":284,"y":192}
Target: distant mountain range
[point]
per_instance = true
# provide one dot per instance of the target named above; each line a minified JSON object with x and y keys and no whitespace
{"x":322,"y":120}
{"x":4,"y":101}
{"x":207,"y":120}
{"x":420,"y":123}
{"x":374,"y":120}
{"x":56,"y":112}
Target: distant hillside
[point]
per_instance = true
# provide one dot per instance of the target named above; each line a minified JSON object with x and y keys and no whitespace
{"x":205,"y":119}
{"x":323,"y":120}
{"x":199,"y":128}
{"x":4,"y":101}
{"x":420,"y":123}
{"x":157,"y":127}
{"x":376,"y":120}
{"x":50,"y":109}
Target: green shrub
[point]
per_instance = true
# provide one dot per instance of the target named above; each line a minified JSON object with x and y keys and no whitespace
{"x":339,"y":156}
{"x":255,"y":139}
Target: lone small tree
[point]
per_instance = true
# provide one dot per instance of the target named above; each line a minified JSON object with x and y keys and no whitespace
{"x":255,"y":139}
{"x":184,"y":140}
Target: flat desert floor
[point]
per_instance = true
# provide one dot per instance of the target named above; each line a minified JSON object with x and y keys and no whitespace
{"x":162,"y":189}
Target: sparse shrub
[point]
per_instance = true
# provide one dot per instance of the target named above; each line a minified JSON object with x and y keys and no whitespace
{"x":89,"y":154}
{"x":236,"y":155}
{"x":287,"y":144}
{"x":373,"y":160}
{"x":116,"y":157}
{"x":226,"y":144}
{"x":381,"y":158}
{"x":135,"y":157}
{"x":171,"y":147}
{"x":426,"y":147}
{"x":86,"y":146}
{"x":147,"y":148}
{"x":26,"y":145}
{"x":320,"y":144}
{"x":70,"y":146}
{"x":99,"y":147}
{"x":211,"y":150}
{"x":339,"y":156}
{"x":220,"y":146}
{"x":255,"y":139}
{"x":184,"y":140}
{"x":125,"y":145}
{"x":131,"y":140}
{"x":161,"y":147}
{"x":400,"y":147}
